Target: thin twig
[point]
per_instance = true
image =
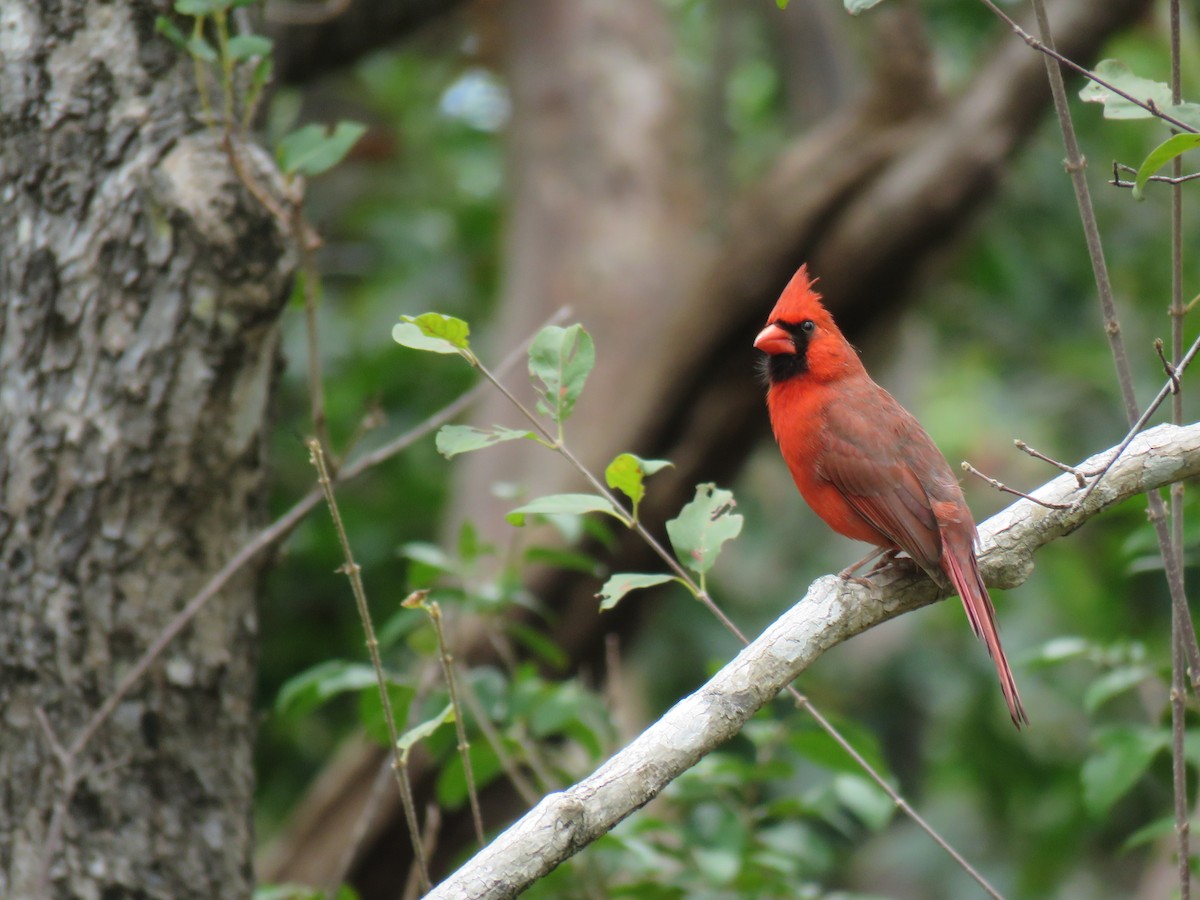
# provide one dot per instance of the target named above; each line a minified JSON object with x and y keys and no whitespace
{"x":58,"y":815}
{"x":433,"y":824}
{"x":1135,"y":429}
{"x":517,"y":778}
{"x":310,"y":279}
{"x":353,"y":572}
{"x":1167,"y":365}
{"x":1046,"y":46}
{"x":1080,"y":475}
{"x":1117,"y":181}
{"x":1112,"y":329}
{"x":464,"y":748}
{"x":362,"y":827}
{"x":1179,"y":621}
{"x":1000,"y":486}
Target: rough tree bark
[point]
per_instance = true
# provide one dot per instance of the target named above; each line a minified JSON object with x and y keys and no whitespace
{"x":140,"y":285}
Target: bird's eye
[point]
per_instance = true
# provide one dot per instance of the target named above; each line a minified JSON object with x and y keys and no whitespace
{"x":807,"y":326}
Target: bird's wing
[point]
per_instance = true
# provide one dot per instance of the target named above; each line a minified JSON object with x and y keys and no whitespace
{"x":869,"y":462}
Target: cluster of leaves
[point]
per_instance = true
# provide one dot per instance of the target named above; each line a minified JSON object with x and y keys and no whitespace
{"x":1123,"y":751}
{"x":769,"y":816}
{"x":560,"y":360}
{"x":1157,"y":96}
{"x":243,"y":66}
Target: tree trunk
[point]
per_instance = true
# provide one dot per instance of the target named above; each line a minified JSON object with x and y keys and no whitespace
{"x":141,"y":285}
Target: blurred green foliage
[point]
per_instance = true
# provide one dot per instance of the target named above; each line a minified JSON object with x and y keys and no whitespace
{"x":1005,"y":341}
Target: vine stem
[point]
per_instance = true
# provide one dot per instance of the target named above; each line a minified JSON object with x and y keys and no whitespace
{"x":464,"y":748}
{"x":1179,"y":622}
{"x":1183,"y":642}
{"x":702,"y":595}
{"x":1076,"y":166}
{"x":353,"y":572}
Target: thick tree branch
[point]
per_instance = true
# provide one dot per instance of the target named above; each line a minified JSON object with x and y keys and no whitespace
{"x":832,"y":611}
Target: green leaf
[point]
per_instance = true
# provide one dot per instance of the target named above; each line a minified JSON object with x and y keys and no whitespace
{"x":301,"y":892}
{"x":619,"y":585}
{"x":199,"y":8}
{"x":627,"y":474}
{"x":424,"y":730}
{"x":538,"y":644}
{"x":201,"y":49}
{"x":168,"y":29}
{"x":314,"y":149}
{"x":303,"y":693}
{"x":1172,"y":147}
{"x":1113,"y":683}
{"x":818,"y":747}
{"x":1159,"y":828}
{"x":702,"y":526}
{"x":1120,"y":75}
{"x":865,"y":799}
{"x":454,"y":332}
{"x":561,"y":358}
{"x":452,"y":780}
{"x":1124,"y":755}
{"x":452,"y":440}
{"x":427,"y":554}
{"x":569,"y":504}
{"x":856,"y":7}
{"x":1057,"y":650}
{"x":1157,"y":93}
{"x":782,"y":4}
{"x":569,"y":560}
{"x":248,"y":46}
{"x":370,"y":711}
{"x":262,"y":73}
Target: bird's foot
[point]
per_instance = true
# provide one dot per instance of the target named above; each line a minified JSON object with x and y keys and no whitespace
{"x":886,"y":556}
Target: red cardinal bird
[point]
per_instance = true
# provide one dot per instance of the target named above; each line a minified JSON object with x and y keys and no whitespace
{"x":865,"y":465}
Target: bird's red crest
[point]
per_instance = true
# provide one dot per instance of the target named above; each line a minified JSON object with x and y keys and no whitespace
{"x":799,"y":301}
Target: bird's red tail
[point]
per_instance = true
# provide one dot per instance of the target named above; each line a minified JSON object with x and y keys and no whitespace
{"x":959,"y":563}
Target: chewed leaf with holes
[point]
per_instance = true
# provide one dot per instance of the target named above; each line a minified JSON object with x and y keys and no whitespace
{"x":627,"y":473}
{"x":702,"y":526}
{"x":1156,"y":93}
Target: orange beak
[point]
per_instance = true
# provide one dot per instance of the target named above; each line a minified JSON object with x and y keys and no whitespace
{"x":773,"y":340}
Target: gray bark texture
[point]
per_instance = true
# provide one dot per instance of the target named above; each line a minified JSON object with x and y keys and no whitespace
{"x":140,"y":287}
